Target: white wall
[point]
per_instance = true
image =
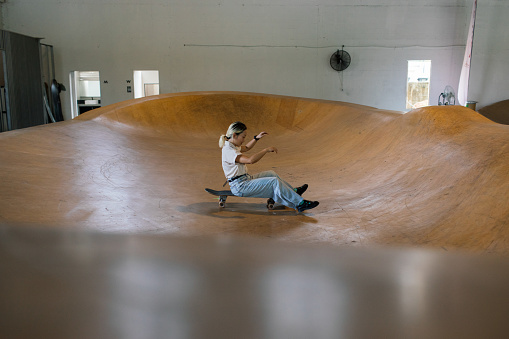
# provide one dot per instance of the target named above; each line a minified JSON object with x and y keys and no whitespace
{"x":90,"y":89}
{"x":137,"y":84}
{"x":268,"y":46}
{"x":489,"y":77}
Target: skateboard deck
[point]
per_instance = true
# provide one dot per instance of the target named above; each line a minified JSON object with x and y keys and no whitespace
{"x":227,"y":193}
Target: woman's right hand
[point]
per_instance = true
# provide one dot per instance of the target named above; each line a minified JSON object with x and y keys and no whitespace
{"x":271,"y":149}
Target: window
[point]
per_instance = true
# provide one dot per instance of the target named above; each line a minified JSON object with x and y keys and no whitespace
{"x":418,"y":81}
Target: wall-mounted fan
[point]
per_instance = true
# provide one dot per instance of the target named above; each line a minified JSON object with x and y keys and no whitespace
{"x":340,"y":60}
{"x":447,"y":97}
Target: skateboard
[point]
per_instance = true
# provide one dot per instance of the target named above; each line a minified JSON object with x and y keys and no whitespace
{"x":225,"y":194}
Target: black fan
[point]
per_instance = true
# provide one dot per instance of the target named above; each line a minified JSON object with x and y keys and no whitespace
{"x":340,"y":60}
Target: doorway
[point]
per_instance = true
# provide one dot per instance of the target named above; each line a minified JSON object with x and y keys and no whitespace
{"x":85,"y":91}
{"x":418,"y":83}
{"x":146,"y":83}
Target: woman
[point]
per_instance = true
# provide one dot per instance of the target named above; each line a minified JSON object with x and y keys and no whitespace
{"x":262,"y":185}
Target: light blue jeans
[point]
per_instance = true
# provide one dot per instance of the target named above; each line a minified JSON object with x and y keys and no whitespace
{"x":266,"y":185}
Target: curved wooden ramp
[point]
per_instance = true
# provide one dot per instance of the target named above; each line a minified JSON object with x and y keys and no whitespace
{"x":435,"y":177}
{"x":497,"y":112}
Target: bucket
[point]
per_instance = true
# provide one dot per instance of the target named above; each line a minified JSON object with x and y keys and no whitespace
{"x":471,"y":104}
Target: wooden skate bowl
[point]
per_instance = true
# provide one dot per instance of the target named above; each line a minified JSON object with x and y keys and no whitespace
{"x":436,"y":177}
{"x":497,"y":112}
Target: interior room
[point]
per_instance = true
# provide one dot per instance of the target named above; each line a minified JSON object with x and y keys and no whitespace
{"x":377,"y":131}
{"x":86,"y":89}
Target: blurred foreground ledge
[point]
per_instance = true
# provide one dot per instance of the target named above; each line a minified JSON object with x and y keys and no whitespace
{"x":84,"y":284}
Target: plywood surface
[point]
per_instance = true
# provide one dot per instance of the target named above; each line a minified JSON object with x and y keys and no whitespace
{"x":436,"y":177}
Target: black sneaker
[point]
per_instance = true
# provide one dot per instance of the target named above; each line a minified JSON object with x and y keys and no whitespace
{"x":302,"y":189}
{"x":307,"y":205}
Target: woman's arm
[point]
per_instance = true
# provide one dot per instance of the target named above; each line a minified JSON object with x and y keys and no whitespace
{"x":242,"y":159}
{"x":251,"y":143}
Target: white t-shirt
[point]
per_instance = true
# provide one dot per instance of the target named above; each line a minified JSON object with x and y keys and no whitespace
{"x":230,"y":167}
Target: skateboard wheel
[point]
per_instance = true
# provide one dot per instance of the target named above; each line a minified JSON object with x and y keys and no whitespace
{"x":222,"y":201}
{"x":270,"y":204}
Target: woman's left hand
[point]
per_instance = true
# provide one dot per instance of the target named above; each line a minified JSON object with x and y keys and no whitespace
{"x":261,"y":135}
